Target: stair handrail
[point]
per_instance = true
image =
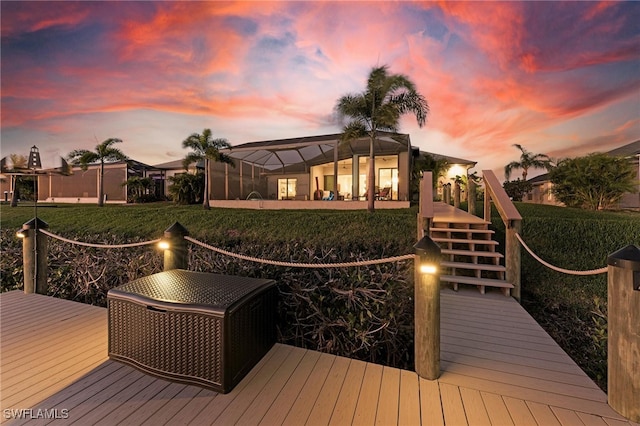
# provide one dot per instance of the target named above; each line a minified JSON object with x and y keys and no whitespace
{"x":513,"y":224}
{"x":501,"y":200}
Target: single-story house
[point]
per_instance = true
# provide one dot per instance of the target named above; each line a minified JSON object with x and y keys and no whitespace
{"x":81,"y":186}
{"x":321,"y":167}
{"x":542,"y":194}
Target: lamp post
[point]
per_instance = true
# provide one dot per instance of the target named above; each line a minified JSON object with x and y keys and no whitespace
{"x":175,"y":247}
{"x":427,"y":308}
{"x":34,"y":256}
{"x":623,"y":296}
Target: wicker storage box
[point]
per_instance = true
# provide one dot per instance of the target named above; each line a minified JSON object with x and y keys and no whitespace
{"x":192,"y":327}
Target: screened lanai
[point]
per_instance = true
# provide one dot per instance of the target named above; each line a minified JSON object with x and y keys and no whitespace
{"x":319,"y":167}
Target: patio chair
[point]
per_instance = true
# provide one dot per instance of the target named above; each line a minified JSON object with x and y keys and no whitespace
{"x":385,"y":194}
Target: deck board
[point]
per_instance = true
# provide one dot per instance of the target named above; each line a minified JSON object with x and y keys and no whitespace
{"x":388,"y":401}
{"x":348,"y":398}
{"x":498,"y":368}
{"x":367,"y":405}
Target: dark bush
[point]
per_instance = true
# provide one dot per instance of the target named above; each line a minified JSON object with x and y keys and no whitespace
{"x":358,"y":312}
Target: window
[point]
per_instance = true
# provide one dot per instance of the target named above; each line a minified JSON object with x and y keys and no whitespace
{"x":388,"y":178}
{"x":287,"y":189}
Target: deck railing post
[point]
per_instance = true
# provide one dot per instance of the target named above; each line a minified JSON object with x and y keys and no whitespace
{"x":623,"y":379}
{"x":427,"y":309}
{"x":512,"y":256}
{"x":487,"y":205}
{"x":176,"y":254}
{"x":471,"y":197}
{"x":456,"y":195}
{"x":425,"y":206}
{"x":34,"y":256}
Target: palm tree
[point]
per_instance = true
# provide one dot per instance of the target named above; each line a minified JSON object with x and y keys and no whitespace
{"x":208,"y":149}
{"x":427,"y":162}
{"x":379,"y":107}
{"x":527,"y":161}
{"x":18,"y":163}
{"x":104,"y":153}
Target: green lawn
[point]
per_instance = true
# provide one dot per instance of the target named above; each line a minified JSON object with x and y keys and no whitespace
{"x":150,"y":220}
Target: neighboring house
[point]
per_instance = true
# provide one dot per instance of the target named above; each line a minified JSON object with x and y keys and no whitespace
{"x":163,"y":172}
{"x":82,"y":185}
{"x":632,"y":151}
{"x":541,"y":192}
{"x":320,"y":167}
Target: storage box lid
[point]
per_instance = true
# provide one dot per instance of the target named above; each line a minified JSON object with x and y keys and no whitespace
{"x":193,"y":288}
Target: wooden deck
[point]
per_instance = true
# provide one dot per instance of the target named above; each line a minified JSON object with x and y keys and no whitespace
{"x":498,"y":368}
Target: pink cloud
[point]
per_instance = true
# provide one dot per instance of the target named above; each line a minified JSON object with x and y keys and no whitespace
{"x":26,"y":18}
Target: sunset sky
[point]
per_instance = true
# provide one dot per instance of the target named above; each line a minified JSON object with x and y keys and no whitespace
{"x":560,"y":78}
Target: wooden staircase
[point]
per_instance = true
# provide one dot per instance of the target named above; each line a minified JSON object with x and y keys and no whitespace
{"x":469,"y":253}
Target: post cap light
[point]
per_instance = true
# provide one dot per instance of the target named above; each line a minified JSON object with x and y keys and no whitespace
{"x":428,"y":268}
{"x":21,"y":233}
{"x":164,"y":245}
{"x":176,"y":231}
{"x":34,"y":223}
{"x":627,"y":258}
{"x":428,"y":255}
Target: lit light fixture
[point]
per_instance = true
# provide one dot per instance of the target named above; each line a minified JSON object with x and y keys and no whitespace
{"x":21,"y":233}
{"x":164,"y":245}
{"x":428,"y":253}
{"x":428,"y":268}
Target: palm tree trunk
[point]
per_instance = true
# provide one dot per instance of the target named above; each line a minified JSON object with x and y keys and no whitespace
{"x":14,"y":192}
{"x":205,"y":202}
{"x":371,"y":180}
{"x":101,"y":185}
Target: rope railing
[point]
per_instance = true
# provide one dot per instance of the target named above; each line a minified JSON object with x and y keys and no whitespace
{"x":555,"y":268}
{"x":105,"y":246}
{"x":301,"y":265}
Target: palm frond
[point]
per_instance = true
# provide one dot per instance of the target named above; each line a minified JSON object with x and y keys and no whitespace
{"x":192,"y":157}
{"x":353,"y":130}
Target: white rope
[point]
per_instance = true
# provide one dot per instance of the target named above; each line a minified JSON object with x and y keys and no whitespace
{"x":302,"y":265}
{"x":106,"y":246}
{"x":555,"y":268}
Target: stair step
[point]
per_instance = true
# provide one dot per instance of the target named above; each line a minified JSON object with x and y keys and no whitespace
{"x":475,"y":281}
{"x":473,"y":253}
{"x":463,"y":241}
{"x":480,"y":266}
{"x":462,"y":230}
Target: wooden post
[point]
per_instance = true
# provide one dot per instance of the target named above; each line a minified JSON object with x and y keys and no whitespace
{"x":487,"y":204}
{"x":34,"y":256}
{"x":425,"y":206}
{"x":456,"y":195}
{"x":512,"y":256}
{"x":447,"y":193}
{"x":427,"y":309}
{"x":176,"y":256}
{"x":623,"y":379}
{"x":471,"y":197}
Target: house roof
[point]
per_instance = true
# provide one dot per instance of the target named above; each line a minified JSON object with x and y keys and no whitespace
{"x":631,"y":149}
{"x":450,"y":160}
{"x":539,"y":179}
{"x":177,"y":165}
{"x":313,"y":150}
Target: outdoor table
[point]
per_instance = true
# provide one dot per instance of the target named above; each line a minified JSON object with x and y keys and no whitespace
{"x":193,"y":327}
